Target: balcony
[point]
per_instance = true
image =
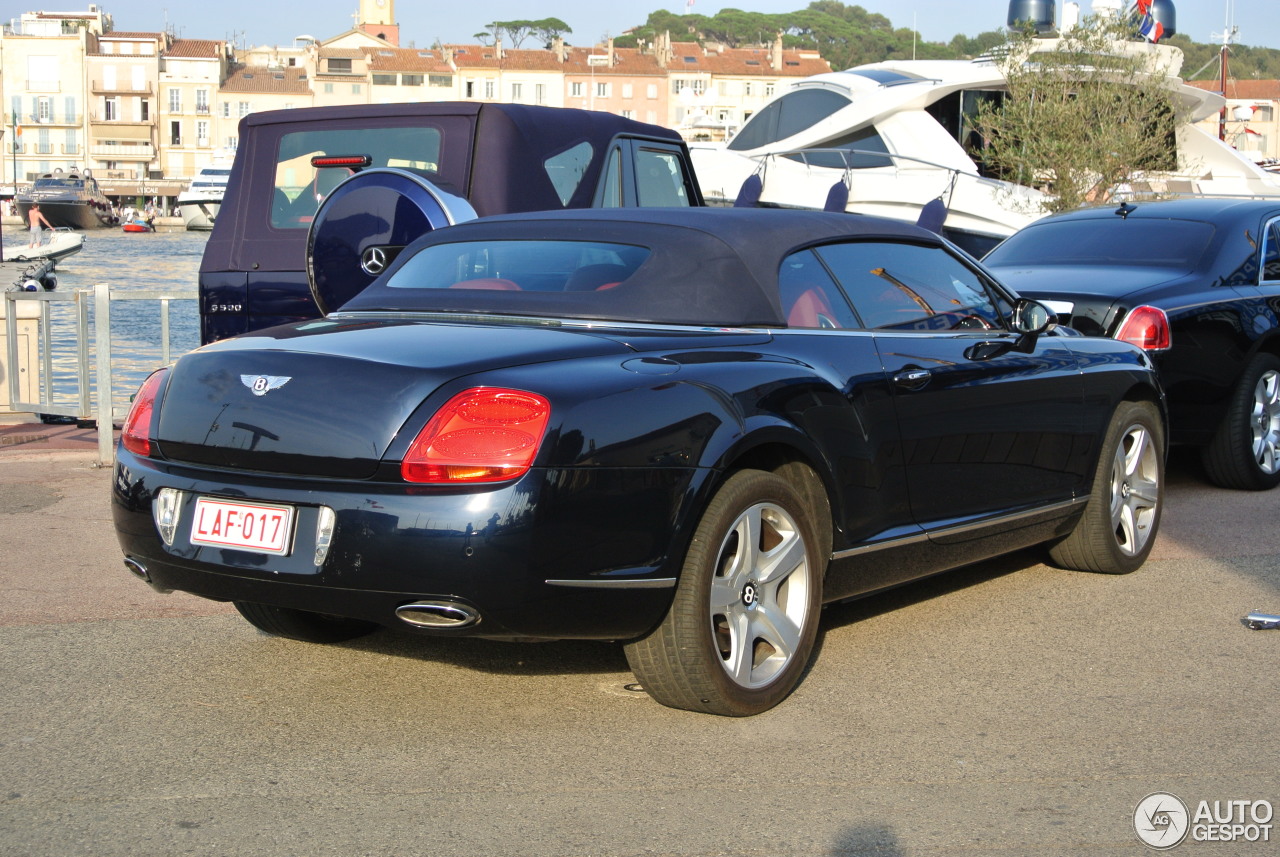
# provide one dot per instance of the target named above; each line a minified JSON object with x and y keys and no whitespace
{"x":54,"y":120}
{"x":122,"y":87}
{"x":136,"y":152}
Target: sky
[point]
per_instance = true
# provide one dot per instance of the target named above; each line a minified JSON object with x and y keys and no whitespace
{"x":253,"y":22}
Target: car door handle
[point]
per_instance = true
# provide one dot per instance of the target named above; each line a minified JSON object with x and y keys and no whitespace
{"x":912,"y":379}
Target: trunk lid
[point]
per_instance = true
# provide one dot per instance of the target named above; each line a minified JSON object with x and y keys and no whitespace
{"x":327,"y":398}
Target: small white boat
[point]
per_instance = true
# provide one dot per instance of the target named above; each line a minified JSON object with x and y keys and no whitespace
{"x":200,"y":202}
{"x":56,"y":244}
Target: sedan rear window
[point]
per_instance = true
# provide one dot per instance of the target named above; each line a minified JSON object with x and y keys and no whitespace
{"x":521,"y":266}
{"x":1140,"y":243}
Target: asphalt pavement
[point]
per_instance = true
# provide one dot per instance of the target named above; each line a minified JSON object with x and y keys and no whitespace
{"x":1008,"y":708}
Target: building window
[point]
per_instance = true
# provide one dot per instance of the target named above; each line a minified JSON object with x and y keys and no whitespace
{"x":110,"y":109}
{"x":72,"y":145}
{"x":469,"y":89}
{"x":418,"y":79}
{"x":575,"y":89}
{"x":175,"y":100}
{"x":202,"y":101}
{"x":69,"y":109}
{"x":628,"y":91}
{"x":144,"y":109}
{"x":233,"y":143}
{"x":746,"y":89}
{"x":539,"y":93}
{"x":628,"y":114}
{"x":384,"y":80}
{"x":339,"y":66}
{"x":602,"y":90}
{"x":243,"y":109}
{"x":44,"y":110}
{"x":438,"y":79}
{"x":488,"y":89}
{"x":43,"y":146}
{"x":175,"y":133}
{"x":517,"y":91}
{"x":355,"y":89}
{"x":226,"y":110}
{"x":202,"y":133}
{"x":328,"y":89}
{"x":768,"y":90}
{"x":652,"y":91}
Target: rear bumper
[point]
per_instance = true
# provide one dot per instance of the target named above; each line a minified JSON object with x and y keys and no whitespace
{"x":584,"y":554}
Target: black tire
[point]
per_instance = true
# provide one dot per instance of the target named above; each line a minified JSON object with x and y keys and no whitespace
{"x":1115,"y":532}
{"x":735,"y":601}
{"x":1245,"y":452}
{"x":302,"y":624}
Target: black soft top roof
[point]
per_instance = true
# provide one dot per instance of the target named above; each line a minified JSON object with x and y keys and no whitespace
{"x":498,"y":165}
{"x":706,"y":266}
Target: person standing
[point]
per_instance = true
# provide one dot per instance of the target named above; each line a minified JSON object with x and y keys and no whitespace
{"x":35,"y":217}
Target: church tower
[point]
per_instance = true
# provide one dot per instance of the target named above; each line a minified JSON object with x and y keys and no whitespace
{"x":378,"y":19}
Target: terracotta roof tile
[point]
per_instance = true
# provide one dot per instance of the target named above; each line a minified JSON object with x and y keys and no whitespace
{"x":268,"y":80}
{"x":1263,"y":90}
{"x":194,"y":49}
{"x":407,"y":60}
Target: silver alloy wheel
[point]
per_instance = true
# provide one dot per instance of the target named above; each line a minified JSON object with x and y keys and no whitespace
{"x":760,"y":595}
{"x":1135,"y":489}
{"x":1265,"y":422}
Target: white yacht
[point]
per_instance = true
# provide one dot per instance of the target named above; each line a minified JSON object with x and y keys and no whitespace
{"x":200,"y":202}
{"x":895,"y":133}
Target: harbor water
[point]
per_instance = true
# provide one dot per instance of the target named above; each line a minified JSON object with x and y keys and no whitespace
{"x":127,"y":262}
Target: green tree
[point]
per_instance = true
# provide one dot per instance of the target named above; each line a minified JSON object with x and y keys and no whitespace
{"x":1084,"y":114}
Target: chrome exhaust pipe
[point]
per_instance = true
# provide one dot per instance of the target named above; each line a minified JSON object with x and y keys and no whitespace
{"x":437,"y":614}
{"x":137,"y":569}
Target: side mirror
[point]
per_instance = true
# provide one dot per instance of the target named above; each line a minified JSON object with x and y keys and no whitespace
{"x":1032,"y":318}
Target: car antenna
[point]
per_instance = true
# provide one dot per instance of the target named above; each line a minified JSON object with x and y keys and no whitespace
{"x":1125,"y":210}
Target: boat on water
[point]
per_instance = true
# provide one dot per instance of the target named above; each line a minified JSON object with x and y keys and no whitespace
{"x":69,"y":199}
{"x":199,"y":203}
{"x":138,"y":225}
{"x":55,"y":245}
{"x":897,"y":134}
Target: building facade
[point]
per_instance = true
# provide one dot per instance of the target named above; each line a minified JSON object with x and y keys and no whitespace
{"x":1253,"y":117}
{"x":147,"y":111}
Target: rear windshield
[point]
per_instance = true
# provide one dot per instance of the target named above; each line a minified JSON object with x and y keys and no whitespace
{"x":521,"y":266}
{"x":1139,"y":243}
{"x":300,"y":187}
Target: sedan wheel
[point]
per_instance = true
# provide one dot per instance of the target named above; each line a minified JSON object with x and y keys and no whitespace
{"x":1117,"y":529}
{"x":742,"y":624}
{"x":1245,"y":453}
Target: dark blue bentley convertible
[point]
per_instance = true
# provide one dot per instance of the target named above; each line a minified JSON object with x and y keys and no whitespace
{"x":684,"y":430}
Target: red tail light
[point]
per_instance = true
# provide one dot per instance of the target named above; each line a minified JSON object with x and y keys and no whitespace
{"x":136,"y":434}
{"x":484,"y":434}
{"x":1146,"y":327}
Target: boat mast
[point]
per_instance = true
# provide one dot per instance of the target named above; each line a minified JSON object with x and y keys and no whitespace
{"x":1228,"y":36}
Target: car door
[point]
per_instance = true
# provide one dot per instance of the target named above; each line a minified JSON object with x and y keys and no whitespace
{"x":991,"y":422}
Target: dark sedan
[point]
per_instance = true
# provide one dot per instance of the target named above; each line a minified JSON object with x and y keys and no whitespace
{"x":1196,"y":282}
{"x":684,"y":430}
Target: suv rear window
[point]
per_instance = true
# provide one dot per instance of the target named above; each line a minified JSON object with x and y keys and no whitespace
{"x":300,"y":187}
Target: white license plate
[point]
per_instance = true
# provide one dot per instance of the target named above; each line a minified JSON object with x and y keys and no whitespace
{"x":259,"y":527}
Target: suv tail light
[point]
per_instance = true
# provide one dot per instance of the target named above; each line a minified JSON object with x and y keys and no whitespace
{"x":485,"y":434}
{"x":136,"y":433}
{"x":1146,"y":327}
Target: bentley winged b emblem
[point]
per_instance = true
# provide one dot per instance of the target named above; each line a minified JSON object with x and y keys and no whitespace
{"x":263,"y":384}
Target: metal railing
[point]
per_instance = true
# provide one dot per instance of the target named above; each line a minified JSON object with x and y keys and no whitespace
{"x":93,"y":372}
